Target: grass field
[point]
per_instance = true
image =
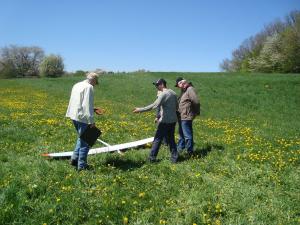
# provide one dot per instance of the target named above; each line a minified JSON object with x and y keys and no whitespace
{"x":246,"y":168}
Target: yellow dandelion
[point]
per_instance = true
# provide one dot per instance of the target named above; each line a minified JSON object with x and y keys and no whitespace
{"x":125,"y":220}
{"x":218,"y":222}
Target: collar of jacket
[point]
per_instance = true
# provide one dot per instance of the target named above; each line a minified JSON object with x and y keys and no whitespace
{"x":187,"y":88}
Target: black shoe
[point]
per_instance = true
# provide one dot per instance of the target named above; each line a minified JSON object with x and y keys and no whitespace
{"x":74,"y":162}
{"x":190,"y":154}
{"x":87,"y":167}
{"x":153,"y":160}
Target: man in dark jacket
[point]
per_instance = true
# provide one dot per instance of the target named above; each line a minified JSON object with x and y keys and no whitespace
{"x":189,"y":108}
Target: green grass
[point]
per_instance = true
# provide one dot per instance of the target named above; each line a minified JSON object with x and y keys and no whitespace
{"x":246,"y":168}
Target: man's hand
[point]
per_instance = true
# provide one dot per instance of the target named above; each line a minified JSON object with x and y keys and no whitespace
{"x":98,"y":111}
{"x":136,"y":110}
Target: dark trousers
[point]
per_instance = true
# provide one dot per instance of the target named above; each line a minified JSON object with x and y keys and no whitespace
{"x":164,"y":130}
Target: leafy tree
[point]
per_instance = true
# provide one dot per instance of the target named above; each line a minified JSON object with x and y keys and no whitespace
{"x":79,"y":73}
{"x":23,"y":61}
{"x":7,"y":71}
{"x":275,"y":49}
{"x":226,"y":65}
{"x":270,"y":58}
{"x":52,"y":66}
{"x":290,"y":48}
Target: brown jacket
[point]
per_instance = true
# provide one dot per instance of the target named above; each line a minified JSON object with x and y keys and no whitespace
{"x":189,"y":104}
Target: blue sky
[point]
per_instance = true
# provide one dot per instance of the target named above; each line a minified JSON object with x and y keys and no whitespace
{"x":126,"y":35}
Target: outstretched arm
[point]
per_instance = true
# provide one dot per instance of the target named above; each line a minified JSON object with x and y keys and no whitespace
{"x":154,"y":105}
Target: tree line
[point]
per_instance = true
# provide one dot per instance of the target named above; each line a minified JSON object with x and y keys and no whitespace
{"x":275,"y":49}
{"x":22,"y":61}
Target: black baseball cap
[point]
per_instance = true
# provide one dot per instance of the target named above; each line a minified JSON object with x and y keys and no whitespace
{"x":178,"y":80}
{"x":159,"y":82}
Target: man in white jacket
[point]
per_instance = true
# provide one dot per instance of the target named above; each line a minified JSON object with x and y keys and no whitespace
{"x":81,"y":112}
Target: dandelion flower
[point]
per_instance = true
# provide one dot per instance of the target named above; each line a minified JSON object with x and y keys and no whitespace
{"x":125,"y":220}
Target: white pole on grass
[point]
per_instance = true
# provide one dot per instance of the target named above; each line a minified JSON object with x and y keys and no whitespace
{"x":107,"y":145}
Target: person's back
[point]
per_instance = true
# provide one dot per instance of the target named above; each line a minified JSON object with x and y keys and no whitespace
{"x":81,"y":103}
{"x":168,"y":106}
{"x":189,"y":104}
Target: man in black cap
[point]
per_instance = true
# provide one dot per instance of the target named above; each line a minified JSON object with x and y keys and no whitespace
{"x":178,"y":80}
{"x":167,"y":102}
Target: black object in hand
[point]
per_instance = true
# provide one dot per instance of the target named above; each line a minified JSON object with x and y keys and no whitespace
{"x":90,"y":135}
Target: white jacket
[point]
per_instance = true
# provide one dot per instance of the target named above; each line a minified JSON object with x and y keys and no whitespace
{"x":81,"y":105}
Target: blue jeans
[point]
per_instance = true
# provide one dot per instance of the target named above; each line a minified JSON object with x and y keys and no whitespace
{"x":186,"y":139}
{"x":164,"y":130}
{"x":82,"y":148}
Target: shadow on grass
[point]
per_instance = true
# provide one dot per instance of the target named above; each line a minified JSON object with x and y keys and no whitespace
{"x":200,"y":152}
{"x":124,"y":163}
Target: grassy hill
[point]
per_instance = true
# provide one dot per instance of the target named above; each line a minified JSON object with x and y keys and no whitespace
{"x":246,"y":168}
